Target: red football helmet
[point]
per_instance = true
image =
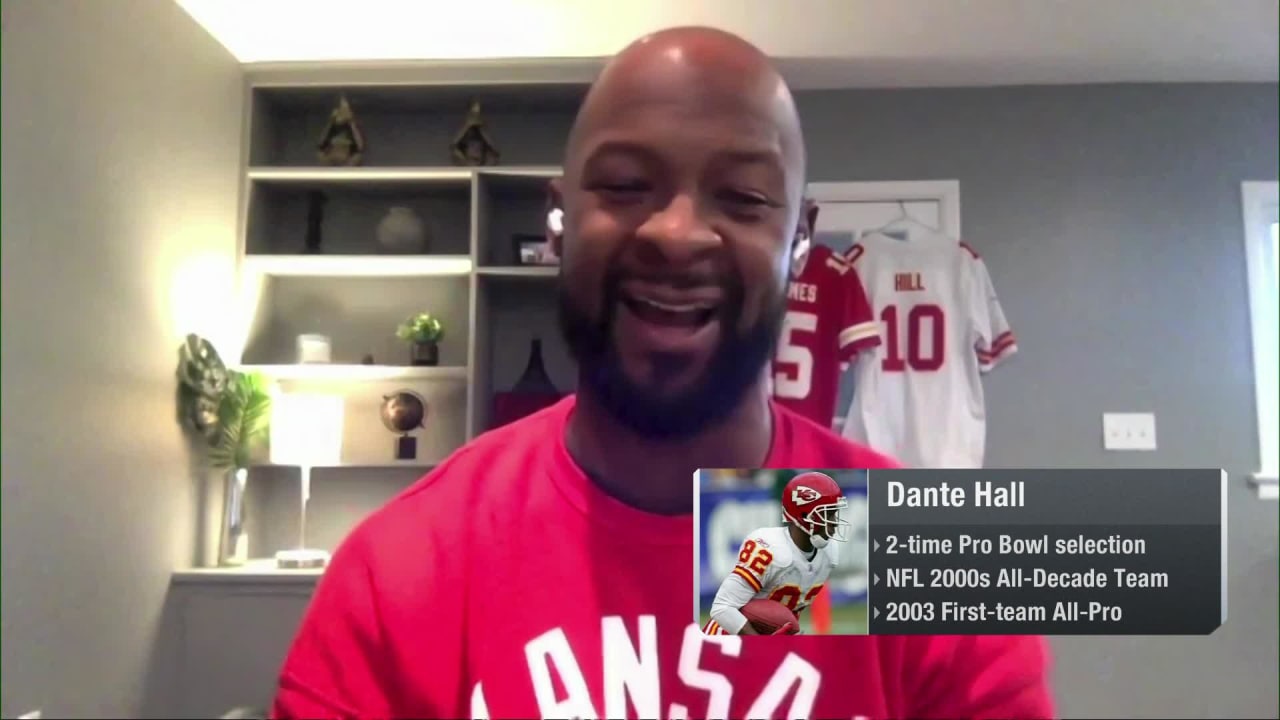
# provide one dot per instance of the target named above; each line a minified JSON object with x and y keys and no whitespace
{"x":812,"y":501}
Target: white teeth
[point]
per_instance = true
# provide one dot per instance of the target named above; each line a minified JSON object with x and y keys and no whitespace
{"x":691,"y":307}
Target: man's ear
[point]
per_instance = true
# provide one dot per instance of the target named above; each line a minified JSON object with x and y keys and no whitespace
{"x":803,"y":237}
{"x":555,"y":217}
{"x":809,"y":218}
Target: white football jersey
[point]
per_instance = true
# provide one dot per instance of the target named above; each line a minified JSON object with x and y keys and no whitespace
{"x":771,"y":566}
{"x":918,"y":396}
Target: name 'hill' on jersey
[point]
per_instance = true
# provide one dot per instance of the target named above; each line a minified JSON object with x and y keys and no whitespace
{"x":919,"y":396}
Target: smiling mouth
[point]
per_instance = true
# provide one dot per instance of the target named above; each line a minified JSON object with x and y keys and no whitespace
{"x":691,"y":315}
{"x":671,"y":308}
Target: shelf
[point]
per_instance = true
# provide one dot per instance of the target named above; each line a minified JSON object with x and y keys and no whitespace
{"x":357,"y":373}
{"x":527,"y":171}
{"x":386,"y":174}
{"x":527,"y":183}
{"x":390,"y":465}
{"x":358,"y":265}
{"x":262,"y":571}
{"x":445,"y":175}
{"x":520,"y":271}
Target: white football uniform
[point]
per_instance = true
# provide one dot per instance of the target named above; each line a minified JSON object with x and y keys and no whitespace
{"x":769,"y":566}
{"x":918,"y":396}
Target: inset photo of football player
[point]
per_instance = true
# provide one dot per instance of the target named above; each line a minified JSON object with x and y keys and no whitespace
{"x":781,"y":552}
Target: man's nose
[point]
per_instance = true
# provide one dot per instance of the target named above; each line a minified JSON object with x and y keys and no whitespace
{"x":678,"y":234}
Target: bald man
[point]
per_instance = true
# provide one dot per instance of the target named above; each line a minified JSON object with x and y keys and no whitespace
{"x":545,"y":569}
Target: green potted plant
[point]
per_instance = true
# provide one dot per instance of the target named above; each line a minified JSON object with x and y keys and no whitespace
{"x":231,"y":412}
{"x":423,"y":332}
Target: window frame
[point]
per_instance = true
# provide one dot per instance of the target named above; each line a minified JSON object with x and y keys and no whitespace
{"x":1261,"y":205}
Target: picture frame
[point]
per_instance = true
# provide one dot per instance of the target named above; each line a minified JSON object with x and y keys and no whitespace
{"x":533,"y":251}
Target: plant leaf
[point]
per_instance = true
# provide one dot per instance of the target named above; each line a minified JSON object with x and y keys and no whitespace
{"x":243,"y":419}
{"x":200,"y":367}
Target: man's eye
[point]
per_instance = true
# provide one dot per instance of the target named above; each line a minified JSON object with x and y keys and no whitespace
{"x":745,"y":207}
{"x":621,"y":193}
{"x":741,"y":198}
{"x":627,"y":187}
{"x":617,"y":182}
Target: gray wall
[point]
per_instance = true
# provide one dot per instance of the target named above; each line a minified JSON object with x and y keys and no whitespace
{"x":1110,"y":219}
{"x":121,"y":153}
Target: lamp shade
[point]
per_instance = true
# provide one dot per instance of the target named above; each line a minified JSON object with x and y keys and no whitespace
{"x":306,"y":430}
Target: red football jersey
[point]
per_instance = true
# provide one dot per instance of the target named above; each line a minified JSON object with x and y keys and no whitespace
{"x":505,"y":583}
{"x":828,"y":321}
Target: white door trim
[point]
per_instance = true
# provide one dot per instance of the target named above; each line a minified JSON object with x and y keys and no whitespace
{"x":945,"y":192}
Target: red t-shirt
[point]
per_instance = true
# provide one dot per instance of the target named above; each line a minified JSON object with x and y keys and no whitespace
{"x":506,"y":584}
{"x":828,"y":321}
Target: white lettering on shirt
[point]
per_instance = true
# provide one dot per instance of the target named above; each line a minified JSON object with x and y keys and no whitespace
{"x":552,"y":649}
{"x":479,"y":708}
{"x":717,"y":685}
{"x":631,"y":676}
{"x":793,"y":671}
{"x":628,"y":672}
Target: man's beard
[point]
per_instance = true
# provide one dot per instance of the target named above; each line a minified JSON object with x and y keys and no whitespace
{"x":735,"y":365}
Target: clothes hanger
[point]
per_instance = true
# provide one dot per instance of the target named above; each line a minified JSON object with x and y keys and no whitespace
{"x":909,"y":227}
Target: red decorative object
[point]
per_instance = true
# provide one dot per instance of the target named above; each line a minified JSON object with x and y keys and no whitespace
{"x":532,"y":393}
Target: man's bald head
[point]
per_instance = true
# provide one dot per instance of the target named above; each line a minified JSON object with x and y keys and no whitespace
{"x":700,"y":60}
{"x":682,"y":201}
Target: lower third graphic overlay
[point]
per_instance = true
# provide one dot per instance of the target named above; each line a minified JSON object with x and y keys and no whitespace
{"x":1047,"y":552}
{"x":781,"y":552}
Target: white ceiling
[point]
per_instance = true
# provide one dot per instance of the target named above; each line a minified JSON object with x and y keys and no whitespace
{"x":850,"y":43}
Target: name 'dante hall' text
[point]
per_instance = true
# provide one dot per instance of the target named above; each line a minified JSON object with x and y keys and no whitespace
{"x":985,"y":494}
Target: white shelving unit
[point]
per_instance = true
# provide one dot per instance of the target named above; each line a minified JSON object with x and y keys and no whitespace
{"x":314,"y":278}
{"x":231,"y":626}
{"x":354,"y":292}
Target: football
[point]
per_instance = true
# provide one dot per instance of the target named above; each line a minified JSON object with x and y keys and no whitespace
{"x":766,"y":616}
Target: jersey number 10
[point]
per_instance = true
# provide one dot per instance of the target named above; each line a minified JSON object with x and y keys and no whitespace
{"x":920,"y":319}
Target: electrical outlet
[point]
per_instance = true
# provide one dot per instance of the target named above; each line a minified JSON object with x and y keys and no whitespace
{"x":1129,"y":431}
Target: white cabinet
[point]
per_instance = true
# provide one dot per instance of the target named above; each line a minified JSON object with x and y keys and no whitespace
{"x":226,"y":635}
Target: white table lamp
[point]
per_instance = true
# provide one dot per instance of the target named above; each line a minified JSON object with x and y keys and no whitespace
{"x":306,"y":431}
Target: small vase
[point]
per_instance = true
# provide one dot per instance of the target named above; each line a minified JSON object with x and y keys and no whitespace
{"x":424,"y":354}
{"x":533,"y":392}
{"x":402,"y":231}
{"x":233,"y":543}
